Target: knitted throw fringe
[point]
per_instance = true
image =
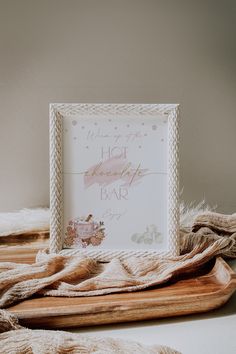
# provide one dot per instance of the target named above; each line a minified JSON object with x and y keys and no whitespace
{"x":212,"y":235}
{"x":19,"y":340}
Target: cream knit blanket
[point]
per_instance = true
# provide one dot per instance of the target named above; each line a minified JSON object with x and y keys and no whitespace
{"x":212,"y":235}
{"x":18,"y":340}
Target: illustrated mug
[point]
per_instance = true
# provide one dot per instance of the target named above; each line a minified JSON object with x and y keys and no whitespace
{"x":84,"y":229}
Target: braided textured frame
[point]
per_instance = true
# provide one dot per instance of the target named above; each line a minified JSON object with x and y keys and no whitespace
{"x":57,"y":111}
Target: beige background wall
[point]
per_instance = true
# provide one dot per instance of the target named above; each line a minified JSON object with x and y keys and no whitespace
{"x":118,"y":51}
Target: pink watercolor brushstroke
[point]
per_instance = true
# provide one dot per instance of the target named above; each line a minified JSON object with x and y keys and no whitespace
{"x":96,"y":173}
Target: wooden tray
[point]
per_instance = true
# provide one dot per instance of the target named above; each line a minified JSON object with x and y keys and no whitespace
{"x":202,"y":293}
{"x":27,"y":238}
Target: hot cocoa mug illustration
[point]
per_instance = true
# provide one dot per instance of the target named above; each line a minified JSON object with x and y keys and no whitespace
{"x":84,"y":232}
{"x":84,"y":229}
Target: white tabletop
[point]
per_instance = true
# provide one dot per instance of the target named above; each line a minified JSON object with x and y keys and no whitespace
{"x":209,"y":333}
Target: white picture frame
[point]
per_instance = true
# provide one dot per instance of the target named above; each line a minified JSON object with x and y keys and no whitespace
{"x":63,"y":150}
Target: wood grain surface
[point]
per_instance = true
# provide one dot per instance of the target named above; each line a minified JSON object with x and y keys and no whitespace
{"x":22,"y":248}
{"x":27,"y":238}
{"x":19,"y":254}
{"x":197,"y":294}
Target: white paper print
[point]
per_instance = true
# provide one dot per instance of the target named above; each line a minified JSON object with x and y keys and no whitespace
{"x":115,"y":182}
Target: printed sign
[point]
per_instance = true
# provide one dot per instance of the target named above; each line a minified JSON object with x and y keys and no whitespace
{"x":115,"y":181}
